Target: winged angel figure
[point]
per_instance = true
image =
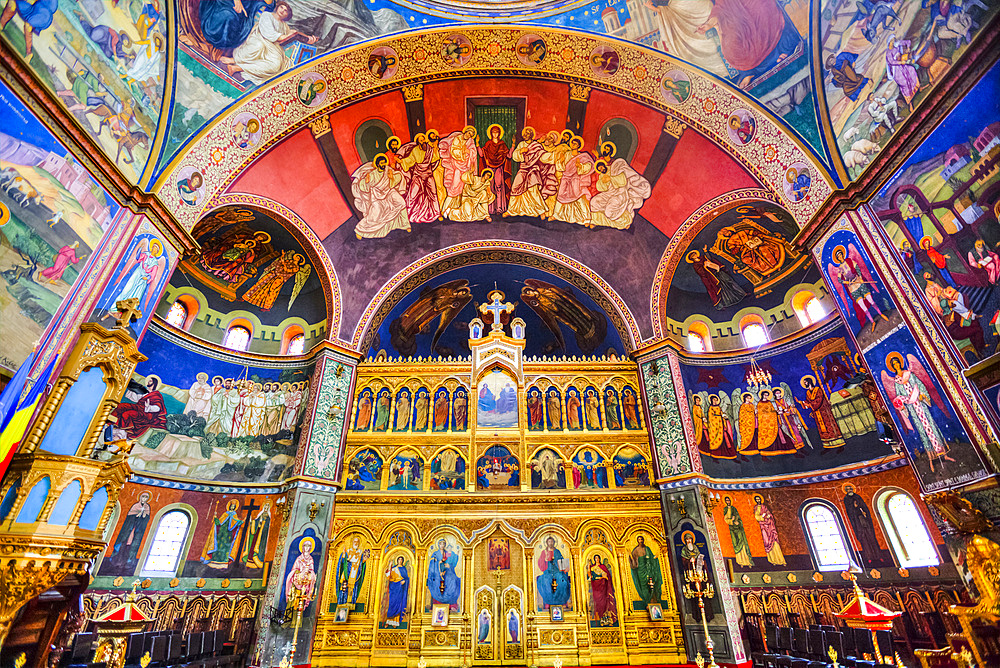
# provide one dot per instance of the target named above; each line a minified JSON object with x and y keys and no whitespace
{"x":265,"y":291}
{"x":556,"y":306}
{"x":855,"y":284}
{"x":912,"y":392}
{"x":444,"y":301}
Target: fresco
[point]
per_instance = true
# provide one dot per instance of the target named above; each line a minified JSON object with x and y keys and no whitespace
{"x":197,"y":417}
{"x":935,"y":440}
{"x":760,"y":45}
{"x":104,"y":61}
{"x":444,"y":574}
{"x":811,"y":405}
{"x":940,"y":210}
{"x":552,"y":568}
{"x":230,"y":537}
{"x":498,"y":470}
{"x":770,"y":536}
{"x":52,"y":217}
{"x":880,"y":60}
{"x":559,"y":317}
{"x":440,"y":176}
{"x":250,"y":262}
{"x":141,"y":275}
{"x":496,"y":407}
{"x":740,"y":258}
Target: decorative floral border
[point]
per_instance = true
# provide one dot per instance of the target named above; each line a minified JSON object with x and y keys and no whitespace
{"x":220,"y":159}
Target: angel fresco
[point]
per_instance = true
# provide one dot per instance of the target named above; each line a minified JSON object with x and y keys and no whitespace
{"x":912,"y":392}
{"x":854,"y":283}
{"x":559,"y":306}
{"x":444,"y":301}
{"x":265,"y":291}
{"x":139,"y":278}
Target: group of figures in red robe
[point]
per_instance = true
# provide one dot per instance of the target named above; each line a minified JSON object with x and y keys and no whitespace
{"x":455,"y":177}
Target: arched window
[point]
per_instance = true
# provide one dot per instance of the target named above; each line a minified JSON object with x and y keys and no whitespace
{"x":178,"y":314}
{"x":297,"y":344}
{"x":826,"y":538}
{"x":814,"y":310}
{"x":237,"y":338}
{"x":754,"y":334}
{"x":907,"y":531}
{"x":370,"y":138}
{"x":165,"y":552}
{"x":699,"y":338}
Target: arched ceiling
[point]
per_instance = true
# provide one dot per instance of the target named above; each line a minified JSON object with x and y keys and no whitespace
{"x":729,"y":100}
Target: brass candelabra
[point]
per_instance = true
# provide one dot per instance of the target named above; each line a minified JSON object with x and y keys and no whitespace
{"x":697,"y":586}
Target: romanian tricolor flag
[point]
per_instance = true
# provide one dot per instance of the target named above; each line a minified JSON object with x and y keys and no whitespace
{"x":17,"y":422}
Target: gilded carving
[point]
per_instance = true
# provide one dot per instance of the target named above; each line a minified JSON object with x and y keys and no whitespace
{"x":579,"y":92}
{"x":413,"y":93}
{"x":654,"y":636}
{"x":556,"y":637}
{"x":391,"y":638}
{"x":605,"y":637}
{"x":674,"y":127}
{"x":341,"y":638}
{"x":320,"y":126}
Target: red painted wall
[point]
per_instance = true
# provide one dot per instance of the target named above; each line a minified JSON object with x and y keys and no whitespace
{"x":389,"y":108}
{"x":546,"y":109}
{"x":697,"y":171}
{"x":295,"y":174}
{"x":603,"y":107}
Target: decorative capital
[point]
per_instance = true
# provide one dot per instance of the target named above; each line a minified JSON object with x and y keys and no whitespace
{"x":413,"y":93}
{"x":579,"y":92}
{"x":674,"y":127}
{"x":320,"y":126}
{"x":128,"y":312}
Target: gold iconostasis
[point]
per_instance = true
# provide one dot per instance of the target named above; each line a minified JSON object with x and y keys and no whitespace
{"x":501,"y":513}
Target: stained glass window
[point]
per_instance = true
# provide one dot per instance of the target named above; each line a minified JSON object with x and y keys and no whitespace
{"x":696,"y":343}
{"x":907,"y":530}
{"x":165,"y":552}
{"x":237,"y":338}
{"x":814,"y":310}
{"x":177,"y":315}
{"x":754,"y":335}
{"x":297,"y":344}
{"x":829,"y":545}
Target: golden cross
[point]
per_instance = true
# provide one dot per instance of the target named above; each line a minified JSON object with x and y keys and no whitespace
{"x":128,"y":312}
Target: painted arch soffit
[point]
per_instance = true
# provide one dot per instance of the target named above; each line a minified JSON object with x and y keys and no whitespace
{"x":774,"y":155}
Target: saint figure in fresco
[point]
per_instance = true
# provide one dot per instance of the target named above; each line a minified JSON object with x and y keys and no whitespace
{"x":421,"y":408}
{"x":148,"y":412}
{"x":592,"y":408}
{"x":254,"y":553}
{"x":535,"y":409}
{"x":397,"y":592}
{"x":555,"y":410}
{"x":912,"y":392}
{"x":630,"y":408}
{"x":602,"y":592}
{"x":419,"y":160}
{"x":461,"y":410}
{"x":300,"y":584}
{"x":822,"y":413}
{"x":496,"y":157}
{"x":645,"y":567}
{"x":611,"y":410}
{"x":721,"y":441}
{"x":741,"y":548}
{"x":722,"y":289}
{"x":220,"y":549}
{"x":484,"y":625}
{"x":747,"y":424}
{"x":553,"y":583}
{"x":351,"y":571}
{"x":526,"y":198}
{"x":125,"y":555}
{"x":379,"y":192}
{"x":382,"y":412}
{"x":855,"y":284}
{"x":862,"y":526}
{"x":64,"y":257}
{"x":403,"y":411}
{"x":443,"y":582}
{"x":441,"y":412}
{"x":768,"y":531}
{"x":573,"y":410}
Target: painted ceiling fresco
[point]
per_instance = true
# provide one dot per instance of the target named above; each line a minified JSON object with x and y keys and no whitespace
{"x":560,"y":317}
{"x":940,"y":211}
{"x":250,"y":263}
{"x":741,"y":257}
